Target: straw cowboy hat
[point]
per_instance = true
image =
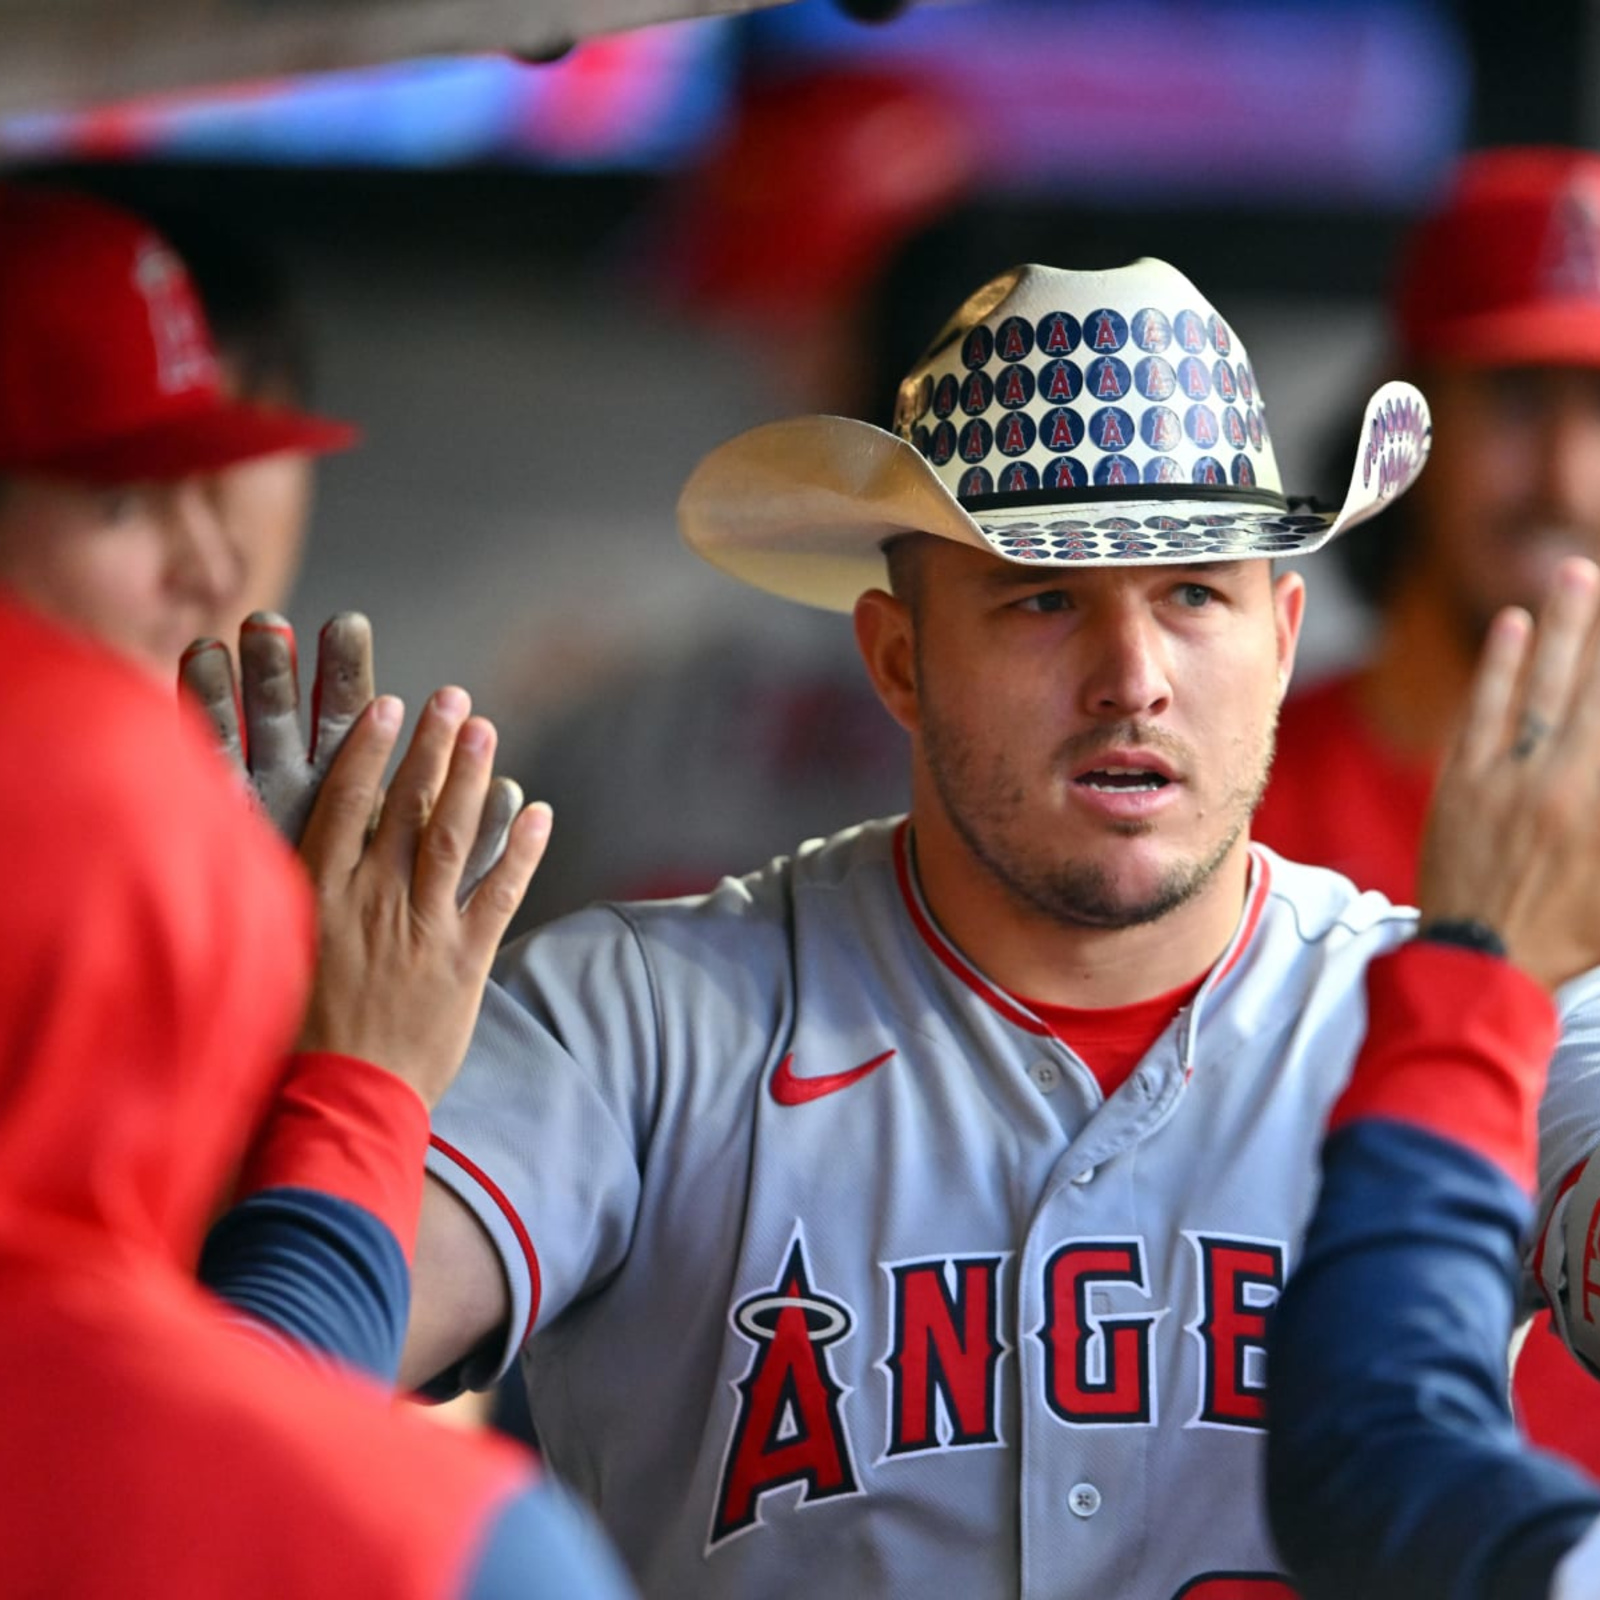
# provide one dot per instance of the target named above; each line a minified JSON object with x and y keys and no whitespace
{"x":1061,"y":418}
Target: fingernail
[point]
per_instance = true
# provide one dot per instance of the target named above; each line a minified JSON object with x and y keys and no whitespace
{"x":540,"y":818}
{"x":476,"y":736}
{"x":388,"y":712}
{"x":452,"y":702}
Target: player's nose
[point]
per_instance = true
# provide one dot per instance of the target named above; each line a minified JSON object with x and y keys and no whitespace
{"x":1129,"y":671}
{"x":203,"y":559}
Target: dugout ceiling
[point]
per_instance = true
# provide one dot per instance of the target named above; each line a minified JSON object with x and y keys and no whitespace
{"x":79,"y":52}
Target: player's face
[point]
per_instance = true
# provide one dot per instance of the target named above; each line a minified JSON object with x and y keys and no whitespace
{"x":1512,"y":486}
{"x":264,"y":505}
{"x":144,"y":567}
{"x":1098,"y":738}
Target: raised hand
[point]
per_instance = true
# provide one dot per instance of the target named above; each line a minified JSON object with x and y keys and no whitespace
{"x":257,"y":721}
{"x":271,"y":748}
{"x":404,"y":947}
{"x":1513,"y":838}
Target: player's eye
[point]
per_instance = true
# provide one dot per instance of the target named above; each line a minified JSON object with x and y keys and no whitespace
{"x":1047,"y":600}
{"x":1195,"y":596}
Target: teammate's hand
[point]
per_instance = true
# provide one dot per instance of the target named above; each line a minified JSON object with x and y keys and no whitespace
{"x":257,"y":721}
{"x":1513,"y":839}
{"x":402,"y":961}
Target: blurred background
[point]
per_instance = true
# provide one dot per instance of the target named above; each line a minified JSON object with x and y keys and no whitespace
{"x":545,"y":287}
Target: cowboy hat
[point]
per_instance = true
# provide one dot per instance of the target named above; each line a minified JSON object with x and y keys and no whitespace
{"x":1063,"y":418}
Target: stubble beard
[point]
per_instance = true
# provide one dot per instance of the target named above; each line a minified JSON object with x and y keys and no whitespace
{"x":984,"y":804}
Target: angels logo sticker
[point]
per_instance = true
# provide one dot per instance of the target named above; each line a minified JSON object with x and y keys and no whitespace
{"x":1105,"y":330}
{"x":1060,"y":381}
{"x":1116,"y":471}
{"x":1111,"y":428}
{"x":1014,"y":340}
{"x":977,"y":347}
{"x":1190,"y":330}
{"x":977,"y":439}
{"x":1200,"y":423}
{"x":1151,"y":330}
{"x":1013,"y":434}
{"x":1155,"y":379}
{"x":1058,"y":333}
{"x":1108,"y":378}
{"x":1065,"y":472}
{"x":1193,"y":377}
{"x":1160,"y":429}
{"x":1013,"y":389}
{"x":1061,"y":430}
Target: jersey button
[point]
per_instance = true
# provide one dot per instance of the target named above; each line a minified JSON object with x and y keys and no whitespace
{"x":1086,"y":1176}
{"x":1084,"y":1499}
{"x":1046,"y":1076}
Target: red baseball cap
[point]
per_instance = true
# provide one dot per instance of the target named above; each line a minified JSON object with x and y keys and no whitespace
{"x":1506,"y":272}
{"x":107,"y":368}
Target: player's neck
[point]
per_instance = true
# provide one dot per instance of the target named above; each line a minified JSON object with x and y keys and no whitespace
{"x":1026,"y":951}
{"x":1417,"y":678}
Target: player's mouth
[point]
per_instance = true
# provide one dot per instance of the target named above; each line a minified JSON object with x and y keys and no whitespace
{"x":1123,"y":780}
{"x":1125,"y":785}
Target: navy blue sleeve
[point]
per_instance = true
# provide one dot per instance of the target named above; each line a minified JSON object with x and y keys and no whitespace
{"x":544,"y":1545}
{"x":1394,"y":1469}
{"x":324,"y":1272}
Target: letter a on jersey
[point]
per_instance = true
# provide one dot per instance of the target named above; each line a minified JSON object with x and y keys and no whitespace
{"x":788,"y":1429}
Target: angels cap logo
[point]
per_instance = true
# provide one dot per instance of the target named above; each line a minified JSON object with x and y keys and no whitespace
{"x":183,"y":359}
{"x":1570,"y":260}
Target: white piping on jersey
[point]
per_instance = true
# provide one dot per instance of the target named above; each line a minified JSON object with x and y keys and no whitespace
{"x":1257,"y":888}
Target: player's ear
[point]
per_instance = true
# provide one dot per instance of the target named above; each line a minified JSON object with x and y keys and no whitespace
{"x":1288,"y":612}
{"x":885,"y":635}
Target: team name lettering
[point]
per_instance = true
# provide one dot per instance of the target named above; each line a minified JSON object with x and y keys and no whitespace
{"x":1240,"y":1280}
{"x":944,"y":1355}
{"x":788,"y":1429}
{"x":1097,"y":1369}
{"x":945,"y":1360}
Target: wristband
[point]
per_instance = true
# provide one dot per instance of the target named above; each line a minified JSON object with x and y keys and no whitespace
{"x":1465,"y":932}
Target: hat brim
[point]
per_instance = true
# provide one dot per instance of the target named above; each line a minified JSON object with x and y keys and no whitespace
{"x":223,"y":434}
{"x":804,"y":508}
{"x":1555,"y":333}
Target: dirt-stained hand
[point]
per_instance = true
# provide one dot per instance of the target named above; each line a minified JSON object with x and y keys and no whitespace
{"x":257,"y":720}
{"x":1513,"y":838}
{"x":404,"y":954}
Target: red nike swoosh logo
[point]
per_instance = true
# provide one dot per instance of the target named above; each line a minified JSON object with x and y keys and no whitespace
{"x":789,"y":1090}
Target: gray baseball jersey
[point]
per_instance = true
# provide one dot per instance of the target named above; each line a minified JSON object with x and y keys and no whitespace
{"x":842,"y":1274}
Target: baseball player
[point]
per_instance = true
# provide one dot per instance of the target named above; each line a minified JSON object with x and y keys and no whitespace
{"x":905,"y":1217}
{"x":157,"y":951}
{"x":1393,"y":1466}
{"x":1496,"y":314}
{"x":125,"y":508}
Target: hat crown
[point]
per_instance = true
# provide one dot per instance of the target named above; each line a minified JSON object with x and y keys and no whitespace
{"x":100,"y":329}
{"x":1507,"y":268}
{"x":1067,"y":387}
